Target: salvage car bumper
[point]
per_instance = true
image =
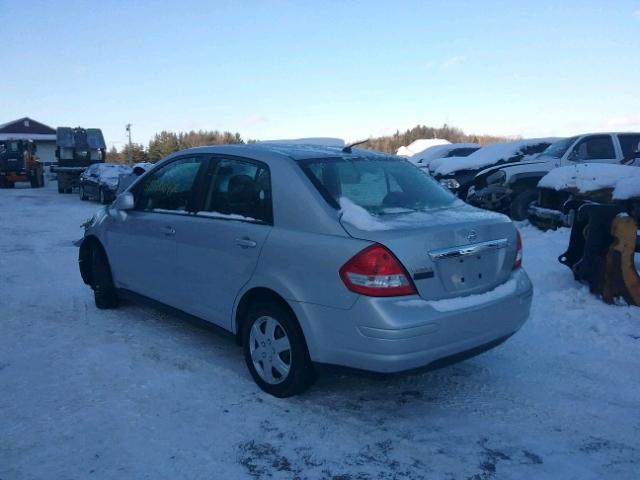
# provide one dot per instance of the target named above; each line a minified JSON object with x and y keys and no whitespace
{"x":547,"y":218}
{"x":395,"y":334}
{"x":493,"y":197}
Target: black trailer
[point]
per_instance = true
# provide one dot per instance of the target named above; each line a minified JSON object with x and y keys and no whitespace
{"x":76,"y":149}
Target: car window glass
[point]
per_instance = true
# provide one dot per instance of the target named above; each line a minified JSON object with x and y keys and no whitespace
{"x":599,"y":147}
{"x":629,"y":144}
{"x":169,"y":188}
{"x":239,"y":188}
{"x":381,"y":185}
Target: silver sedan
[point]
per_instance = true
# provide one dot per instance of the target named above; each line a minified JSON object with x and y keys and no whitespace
{"x":312,"y":255}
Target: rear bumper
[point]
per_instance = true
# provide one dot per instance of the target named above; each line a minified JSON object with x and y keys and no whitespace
{"x":397,"y":334}
{"x":548,"y":218}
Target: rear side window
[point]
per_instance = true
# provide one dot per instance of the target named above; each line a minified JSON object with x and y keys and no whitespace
{"x":239,"y":189}
{"x":597,"y":147}
{"x":381,"y":186}
{"x":629,"y":144}
{"x":170,"y":187}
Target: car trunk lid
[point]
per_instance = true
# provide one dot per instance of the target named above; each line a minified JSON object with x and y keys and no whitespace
{"x":448,"y":252}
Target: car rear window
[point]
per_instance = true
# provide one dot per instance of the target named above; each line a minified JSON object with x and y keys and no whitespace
{"x":381,"y":185}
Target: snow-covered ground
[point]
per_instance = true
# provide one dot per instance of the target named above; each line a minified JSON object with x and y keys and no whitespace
{"x":134,"y":393}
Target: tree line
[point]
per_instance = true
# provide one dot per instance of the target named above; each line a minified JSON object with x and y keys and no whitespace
{"x":165,"y":142}
{"x":391,"y":143}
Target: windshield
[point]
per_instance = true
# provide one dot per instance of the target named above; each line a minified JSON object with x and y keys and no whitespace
{"x":557,"y":149}
{"x":381,"y":185}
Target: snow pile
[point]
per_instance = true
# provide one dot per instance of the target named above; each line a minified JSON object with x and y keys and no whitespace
{"x":430,"y":154}
{"x":420,"y":145}
{"x":459,"y":303}
{"x":627,"y":188}
{"x":359,"y":217}
{"x":489,"y":155}
{"x":588,"y":177}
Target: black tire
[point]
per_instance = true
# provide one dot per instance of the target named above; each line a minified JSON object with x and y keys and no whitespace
{"x":83,"y":196}
{"x":104,"y":292}
{"x":301,"y":373}
{"x":60,"y":189}
{"x":519,"y":209}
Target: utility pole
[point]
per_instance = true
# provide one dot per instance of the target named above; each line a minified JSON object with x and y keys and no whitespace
{"x":128,"y":129}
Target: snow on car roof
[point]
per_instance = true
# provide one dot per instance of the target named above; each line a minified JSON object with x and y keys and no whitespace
{"x":420,"y":145}
{"x":486,"y":156}
{"x":439,"y":151}
{"x":589,"y":177}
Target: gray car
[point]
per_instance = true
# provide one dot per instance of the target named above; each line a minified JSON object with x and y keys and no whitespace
{"x":312,"y":255}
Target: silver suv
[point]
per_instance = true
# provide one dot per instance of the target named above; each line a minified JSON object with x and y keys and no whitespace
{"x":312,"y":255}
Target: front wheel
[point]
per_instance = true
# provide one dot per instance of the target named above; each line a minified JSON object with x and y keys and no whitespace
{"x":519,"y":208}
{"x":275,"y":351}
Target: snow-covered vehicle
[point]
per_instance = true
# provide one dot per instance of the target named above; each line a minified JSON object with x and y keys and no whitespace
{"x":513,"y":188}
{"x":137,"y":169}
{"x":420,"y":145}
{"x":563,"y":190}
{"x":457,"y":173}
{"x":99,"y":182}
{"x":424,"y":158}
{"x":312,"y":255}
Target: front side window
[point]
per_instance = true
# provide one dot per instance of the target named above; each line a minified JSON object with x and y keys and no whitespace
{"x":240,"y":190}
{"x":381,"y":185}
{"x":169,"y":188}
{"x":597,"y":147}
{"x":462,"y":152}
{"x":630,"y":143}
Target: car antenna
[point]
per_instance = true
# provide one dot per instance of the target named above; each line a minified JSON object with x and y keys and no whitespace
{"x":347,"y":149}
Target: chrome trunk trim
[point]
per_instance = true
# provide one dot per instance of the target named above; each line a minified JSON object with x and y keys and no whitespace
{"x":472,"y":249}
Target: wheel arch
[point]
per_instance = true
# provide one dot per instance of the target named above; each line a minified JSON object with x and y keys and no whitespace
{"x":252,"y":296}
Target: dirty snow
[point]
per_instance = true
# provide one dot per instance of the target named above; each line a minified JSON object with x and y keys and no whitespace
{"x":136,"y":393}
{"x":486,"y":156}
{"x":588,"y":177}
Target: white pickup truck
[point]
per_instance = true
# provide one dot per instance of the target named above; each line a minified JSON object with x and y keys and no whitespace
{"x":511,"y":188}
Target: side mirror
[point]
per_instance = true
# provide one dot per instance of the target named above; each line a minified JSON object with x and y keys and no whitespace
{"x":124,"y":201}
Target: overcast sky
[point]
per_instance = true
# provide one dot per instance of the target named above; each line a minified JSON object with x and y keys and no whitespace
{"x":350,"y":69}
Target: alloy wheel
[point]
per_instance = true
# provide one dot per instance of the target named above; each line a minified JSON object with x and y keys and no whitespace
{"x":270,"y":350}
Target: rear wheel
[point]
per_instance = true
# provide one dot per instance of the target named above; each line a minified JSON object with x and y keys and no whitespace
{"x":275,"y":351}
{"x":519,"y":208}
{"x":104,"y":292}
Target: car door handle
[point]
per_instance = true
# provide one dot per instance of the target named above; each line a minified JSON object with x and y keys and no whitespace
{"x":168,"y":230}
{"x":245,"y":242}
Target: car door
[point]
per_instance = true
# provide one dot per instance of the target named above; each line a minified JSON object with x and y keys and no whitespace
{"x":594,"y":149}
{"x":220,"y":244}
{"x":140,"y":242}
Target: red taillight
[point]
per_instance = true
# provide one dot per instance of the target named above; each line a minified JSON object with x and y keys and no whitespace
{"x":376,"y":272}
{"x":517,"y":263}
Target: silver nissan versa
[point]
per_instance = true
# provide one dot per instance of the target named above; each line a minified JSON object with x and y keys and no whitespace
{"x":312,"y":255}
